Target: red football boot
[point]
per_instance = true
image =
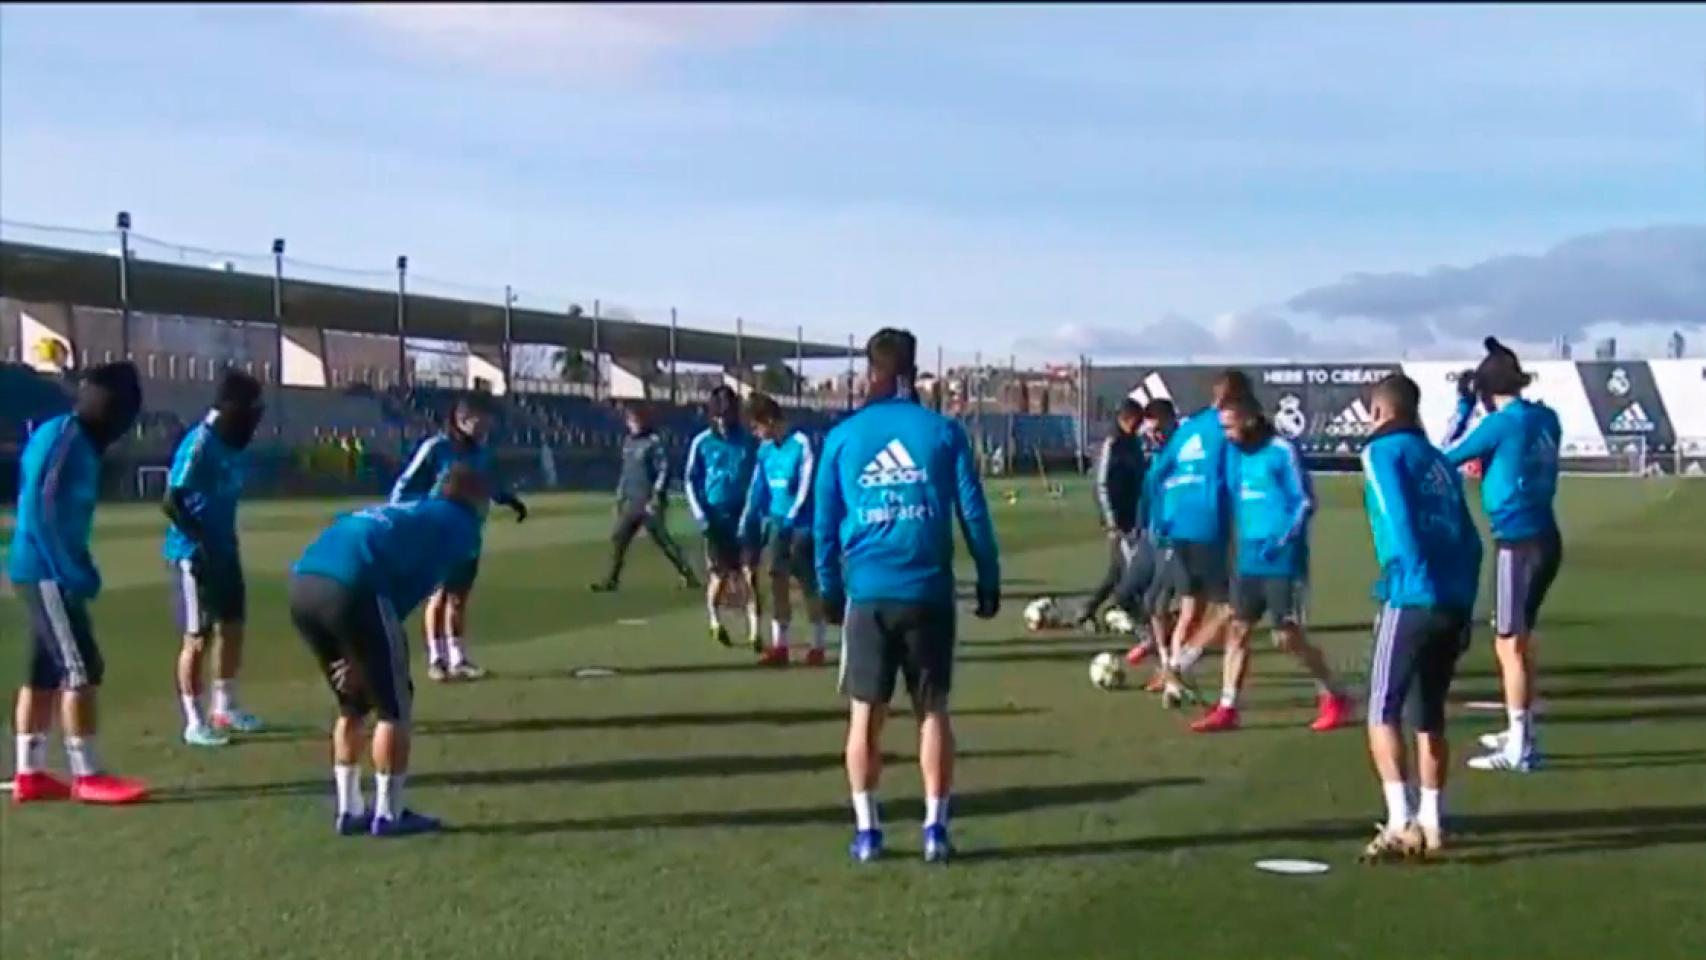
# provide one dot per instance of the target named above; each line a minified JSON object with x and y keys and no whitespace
{"x":815,"y":657}
{"x":1334,"y":711}
{"x":1137,"y":654}
{"x":38,"y":786}
{"x":107,"y":790}
{"x":774,"y":657}
{"x":1218,"y":720}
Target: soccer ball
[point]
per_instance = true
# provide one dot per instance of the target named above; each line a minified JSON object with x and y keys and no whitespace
{"x":1041,"y":613}
{"x":1107,"y":671}
{"x":1117,"y":620}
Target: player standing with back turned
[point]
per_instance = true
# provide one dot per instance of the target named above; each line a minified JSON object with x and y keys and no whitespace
{"x":1519,"y":443}
{"x":1430,"y":563}
{"x":893,"y":478}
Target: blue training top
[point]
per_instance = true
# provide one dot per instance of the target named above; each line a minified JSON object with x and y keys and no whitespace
{"x":1520,"y":442}
{"x":719,"y":468}
{"x":400,"y":551}
{"x":59,"y":479}
{"x":892,"y":478}
{"x":1186,"y":490}
{"x":1275,"y":501}
{"x":212,"y":475}
{"x":780,"y":494}
{"x":1424,"y":540}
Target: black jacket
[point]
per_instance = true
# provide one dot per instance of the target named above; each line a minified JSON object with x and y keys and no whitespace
{"x":645,"y":468}
{"x":1120,"y":466}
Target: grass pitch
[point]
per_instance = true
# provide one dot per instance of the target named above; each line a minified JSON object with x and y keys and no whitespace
{"x":693,"y":806}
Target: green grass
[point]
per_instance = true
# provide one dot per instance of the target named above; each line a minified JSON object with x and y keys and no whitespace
{"x":694,"y":807}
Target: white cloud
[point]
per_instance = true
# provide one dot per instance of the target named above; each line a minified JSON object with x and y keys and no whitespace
{"x":574,"y":40}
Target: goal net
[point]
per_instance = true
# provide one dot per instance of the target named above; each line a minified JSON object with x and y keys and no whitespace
{"x":151,"y":482}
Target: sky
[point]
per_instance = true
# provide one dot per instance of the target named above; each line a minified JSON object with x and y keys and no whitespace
{"x":1135,"y":182}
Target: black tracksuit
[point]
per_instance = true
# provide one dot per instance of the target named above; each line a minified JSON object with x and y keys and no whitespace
{"x":640,"y":502}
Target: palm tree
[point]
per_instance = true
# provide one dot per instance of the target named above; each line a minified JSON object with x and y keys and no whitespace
{"x":572,"y":366}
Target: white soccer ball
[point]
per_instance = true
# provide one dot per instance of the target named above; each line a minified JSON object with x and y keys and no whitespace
{"x":1117,"y":620}
{"x":1107,"y":671}
{"x":1041,"y":613}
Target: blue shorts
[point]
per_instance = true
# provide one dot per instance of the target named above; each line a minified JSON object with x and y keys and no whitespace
{"x":348,"y":625}
{"x":63,"y":654}
{"x":1412,"y":665}
{"x":1525,"y":571}
{"x":207,"y":594}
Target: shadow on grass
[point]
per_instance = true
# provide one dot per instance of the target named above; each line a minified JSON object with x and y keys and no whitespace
{"x":970,"y":804}
{"x":1588,"y":670}
{"x":1624,"y":828}
{"x":602,"y":771}
{"x":1625,"y":760}
{"x":1639,"y":691}
{"x":642,"y":721}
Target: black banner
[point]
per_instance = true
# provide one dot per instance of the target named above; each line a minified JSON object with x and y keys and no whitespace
{"x":1627,"y":403}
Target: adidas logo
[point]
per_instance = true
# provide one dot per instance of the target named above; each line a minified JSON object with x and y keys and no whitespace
{"x":1355,"y":420}
{"x":1192,"y":450}
{"x":1152,"y":388}
{"x":1633,"y":419}
{"x":892,"y":466}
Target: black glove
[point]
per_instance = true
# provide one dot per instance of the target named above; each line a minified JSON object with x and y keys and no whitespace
{"x":1466,"y":385}
{"x":988,"y":603}
{"x":519,"y":508}
{"x":834,"y":608}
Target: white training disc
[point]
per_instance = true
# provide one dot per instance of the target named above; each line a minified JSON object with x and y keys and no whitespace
{"x":1292,"y":868}
{"x":632,"y":622}
{"x":1488,"y":706}
{"x":593,"y":673}
{"x":6,"y":787}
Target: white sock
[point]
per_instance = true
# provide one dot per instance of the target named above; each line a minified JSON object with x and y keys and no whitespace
{"x":348,"y":778}
{"x":453,"y":652}
{"x":435,"y":649}
{"x":1187,"y":659}
{"x":1428,"y":810}
{"x":1519,"y":732}
{"x":1229,"y":698}
{"x":1398,"y":813}
{"x":865,"y":810}
{"x":820,"y":630}
{"x":192,"y":710}
{"x":388,"y":794}
{"x":778,"y":634}
{"x":711,"y":609}
{"x":936,"y":811}
{"x":225,"y":695}
{"x":80,"y":751}
{"x":32,"y":752}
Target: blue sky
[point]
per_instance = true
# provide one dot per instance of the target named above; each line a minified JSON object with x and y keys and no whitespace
{"x":1128,"y":181}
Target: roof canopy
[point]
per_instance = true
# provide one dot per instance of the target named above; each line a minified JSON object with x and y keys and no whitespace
{"x":56,"y":275}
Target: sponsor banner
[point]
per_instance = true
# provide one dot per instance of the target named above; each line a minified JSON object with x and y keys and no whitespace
{"x":1626,"y":402}
{"x":1682,"y":387}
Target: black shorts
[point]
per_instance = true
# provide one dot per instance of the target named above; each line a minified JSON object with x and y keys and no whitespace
{"x":1411,"y":668}
{"x":723,"y":554}
{"x":1284,"y":599}
{"x":883,"y":637}
{"x":461,"y":577}
{"x":1525,"y":570}
{"x":340,"y":622}
{"x":63,"y":652}
{"x":1198,"y":570}
{"x":792,"y":555}
{"x":214,"y":594}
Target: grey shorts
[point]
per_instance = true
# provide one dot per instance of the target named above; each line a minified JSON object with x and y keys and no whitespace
{"x":883,"y":638}
{"x":1525,"y":570}
{"x":1282,"y":599}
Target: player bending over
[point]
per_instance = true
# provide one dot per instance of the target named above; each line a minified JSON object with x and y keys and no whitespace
{"x":642,"y":501}
{"x":462,"y":441}
{"x":779,"y":510}
{"x":208,"y":589}
{"x":719,"y":468}
{"x":1430,"y":561}
{"x":894,"y":477}
{"x":349,"y":595}
{"x":1119,"y":485}
{"x":1191,"y":519}
{"x":59,"y":479}
{"x":1519,"y":443}
{"x":1275,"y":501}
